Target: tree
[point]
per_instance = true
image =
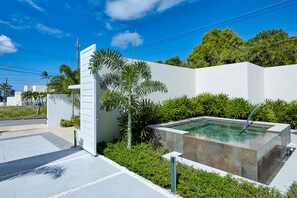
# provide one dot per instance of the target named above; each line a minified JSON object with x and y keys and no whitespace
{"x":126,"y":83}
{"x":217,"y":47}
{"x":27,"y":96}
{"x":174,"y":61}
{"x":271,"y":48}
{"x":7,"y":91}
{"x":59,"y":84}
{"x":45,"y":75}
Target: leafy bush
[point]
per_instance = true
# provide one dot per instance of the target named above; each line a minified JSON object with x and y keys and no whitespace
{"x":291,"y":114}
{"x":75,"y":121}
{"x":292,"y":192}
{"x":238,"y":108}
{"x":147,"y":161}
{"x":146,"y":113}
{"x":272,"y":111}
{"x":220,"y":105}
{"x":180,"y":108}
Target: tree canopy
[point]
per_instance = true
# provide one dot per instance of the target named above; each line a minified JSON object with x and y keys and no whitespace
{"x":59,"y":84}
{"x":271,"y":48}
{"x":217,"y":47}
{"x":268,"y":48}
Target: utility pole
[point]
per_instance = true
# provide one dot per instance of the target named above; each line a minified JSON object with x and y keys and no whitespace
{"x":77,"y":53}
{"x":5,"y":92}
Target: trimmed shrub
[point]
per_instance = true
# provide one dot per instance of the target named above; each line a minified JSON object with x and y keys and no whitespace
{"x":75,"y":121}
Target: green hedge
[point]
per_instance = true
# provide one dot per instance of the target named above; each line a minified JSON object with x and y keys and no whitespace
{"x":220,"y":105}
{"x":70,"y":123}
{"x":146,"y":161}
{"x":206,"y":104}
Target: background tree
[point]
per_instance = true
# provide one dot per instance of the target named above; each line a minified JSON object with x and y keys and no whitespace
{"x":127,"y":83}
{"x":6,"y":90}
{"x":59,"y":84}
{"x":217,"y":47}
{"x":174,"y":61}
{"x":271,"y":48}
{"x":27,"y":96}
{"x":45,"y":75}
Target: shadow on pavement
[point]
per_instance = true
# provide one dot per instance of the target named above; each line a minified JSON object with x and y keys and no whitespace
{"x":36,"y":165}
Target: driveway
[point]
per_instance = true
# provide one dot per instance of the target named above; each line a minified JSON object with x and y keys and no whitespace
{"x":44,"y":165}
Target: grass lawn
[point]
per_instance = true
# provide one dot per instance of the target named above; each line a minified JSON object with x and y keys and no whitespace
{"x":20,"y":112}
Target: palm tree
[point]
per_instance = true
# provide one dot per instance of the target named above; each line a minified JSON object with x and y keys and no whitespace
{"x":67,"y":77}
{"x":45,"y":75}
{"x":7,"y":91}
{"x":27,"y":95}
{"x":126,"y":82}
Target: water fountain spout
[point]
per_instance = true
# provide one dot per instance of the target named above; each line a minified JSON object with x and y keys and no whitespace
{"x":247,"y":123}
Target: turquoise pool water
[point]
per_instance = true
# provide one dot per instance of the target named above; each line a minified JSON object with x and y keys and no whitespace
{"x":223,"y":131}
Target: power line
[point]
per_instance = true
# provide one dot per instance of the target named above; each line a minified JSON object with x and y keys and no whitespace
{"x":8,"y":66}
{"x":23,"y":72}
{"x":37,"y":52}
{"x":245,"y":16}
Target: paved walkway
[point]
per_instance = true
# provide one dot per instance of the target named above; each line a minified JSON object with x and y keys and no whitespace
{"x":44,"y":165}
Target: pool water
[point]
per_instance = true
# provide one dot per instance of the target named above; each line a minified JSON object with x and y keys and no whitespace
{"x":223,"y":131}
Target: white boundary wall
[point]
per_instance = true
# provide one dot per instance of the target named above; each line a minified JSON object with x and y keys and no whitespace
{"x":244,"y":80}
{"x":281,"y":82}
{"x":58,"y":107}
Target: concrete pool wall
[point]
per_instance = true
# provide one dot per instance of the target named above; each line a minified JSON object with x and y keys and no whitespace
{"x":254,"y":159}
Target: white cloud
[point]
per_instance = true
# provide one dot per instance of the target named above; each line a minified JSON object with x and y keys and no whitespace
{"x":108,"y":26}
{"x":15,"y":25}
{"x":164,"y":5}
{"x":50,"y":31}
{"x":123,"y":40}
{"x":6,"y":45}
{"x":33,"y":5}
{"x":134,"y":9}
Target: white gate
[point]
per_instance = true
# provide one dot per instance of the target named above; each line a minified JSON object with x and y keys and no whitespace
{"x":88,"y":104}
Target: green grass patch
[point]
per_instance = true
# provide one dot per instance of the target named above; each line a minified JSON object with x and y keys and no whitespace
{"x":147,"y":161}
{"x":20,"y":112}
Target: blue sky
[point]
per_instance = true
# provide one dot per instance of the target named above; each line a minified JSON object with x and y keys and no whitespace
{"x":38,"y":35}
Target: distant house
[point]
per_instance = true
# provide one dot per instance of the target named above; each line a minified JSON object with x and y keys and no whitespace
{"x":17,"y":100}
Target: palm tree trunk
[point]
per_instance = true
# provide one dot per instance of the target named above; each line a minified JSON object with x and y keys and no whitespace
{"x":129,"y":124}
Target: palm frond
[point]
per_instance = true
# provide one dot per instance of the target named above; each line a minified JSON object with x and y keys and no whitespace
{"x":111,"y":100}
{"x":112,"y":59}
{"x":143,"y":69}
{"x":111,"y":79}
{"x":149,"y":86}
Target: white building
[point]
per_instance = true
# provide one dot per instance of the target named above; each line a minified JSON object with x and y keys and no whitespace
{"x":35,"y":88}
{"x":15,"y":100}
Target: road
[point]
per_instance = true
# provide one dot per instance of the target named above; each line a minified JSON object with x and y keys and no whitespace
{"x":22,"y":122}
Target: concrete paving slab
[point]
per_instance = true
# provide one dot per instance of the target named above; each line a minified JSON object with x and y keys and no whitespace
{"x":121,"y":185}
{"x":14,"y":149}
{"x":69,"y":170}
